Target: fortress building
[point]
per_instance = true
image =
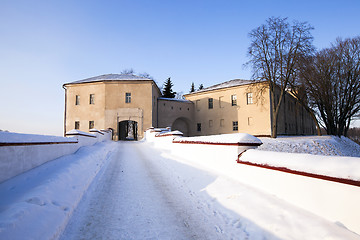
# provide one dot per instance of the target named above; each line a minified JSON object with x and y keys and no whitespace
{"x":130,"y":104}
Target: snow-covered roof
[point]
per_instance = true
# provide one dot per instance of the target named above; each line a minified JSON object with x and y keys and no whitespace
{"x":231,"y":83}
{"x":112,"y":77}
{"x":174,"y":99}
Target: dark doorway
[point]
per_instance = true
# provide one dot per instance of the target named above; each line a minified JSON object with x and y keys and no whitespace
{"x":127,"y":130}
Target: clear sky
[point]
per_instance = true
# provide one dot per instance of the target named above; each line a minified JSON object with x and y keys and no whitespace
{"x":44,"y":44}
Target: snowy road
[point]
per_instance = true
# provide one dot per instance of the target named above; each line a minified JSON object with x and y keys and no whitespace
{"x":130,"y":200}
{"x":146,"y":193}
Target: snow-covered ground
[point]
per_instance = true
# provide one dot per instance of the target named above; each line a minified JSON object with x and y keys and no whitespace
{"x":319,"y":145}
{"x":141,"y":192}
{"x":38,"y":203}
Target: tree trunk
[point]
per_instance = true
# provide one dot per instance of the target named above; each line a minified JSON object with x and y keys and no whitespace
{"x":274,"y":114}
{"x":316,"y":123}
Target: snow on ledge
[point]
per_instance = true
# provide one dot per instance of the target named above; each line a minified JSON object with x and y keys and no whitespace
{"x":81,"y":133}
{"x":332,"y":166}
{"x":96,"y":131}
{"x":172,"y":133}
{"x":22,"y":138}
{"x":238,"y":139}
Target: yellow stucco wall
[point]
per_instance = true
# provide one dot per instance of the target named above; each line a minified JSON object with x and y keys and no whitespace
{"x":252,"y":118}
{"x":85,"y":112}
{"x":176,"y":114}
{"x":148,"y":110}
{"x":110,"y":106}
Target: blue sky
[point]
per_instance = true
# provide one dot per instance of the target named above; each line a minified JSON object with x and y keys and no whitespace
{"x":44,"y":44}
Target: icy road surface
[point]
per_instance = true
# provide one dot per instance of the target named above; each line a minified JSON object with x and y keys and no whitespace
{"x":144,"y":193}
{"x":130,"y":200}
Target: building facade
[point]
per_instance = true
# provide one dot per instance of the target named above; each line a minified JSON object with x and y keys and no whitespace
{"x":245,"y":106}
{"x":129,"y":105}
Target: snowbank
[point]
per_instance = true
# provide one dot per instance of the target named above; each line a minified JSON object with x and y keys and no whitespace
{"x":319,"y":145}
{"x":329,"y":199}
{"x":22,"y":152}
{"x":10,"y":137}
{"x":334,"y":166}
{"x":233,"y":138}
{"x":38,"y":203}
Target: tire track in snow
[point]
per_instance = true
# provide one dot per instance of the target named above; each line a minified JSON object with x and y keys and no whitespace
{"x":130,"y":200}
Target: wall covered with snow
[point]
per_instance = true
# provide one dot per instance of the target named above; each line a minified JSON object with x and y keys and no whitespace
{"x":22,"y":152}
{"x":334,"y":201}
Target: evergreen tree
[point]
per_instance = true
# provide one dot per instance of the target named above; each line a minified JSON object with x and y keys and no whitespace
{"x":201,"y":86}
{"x":167,"y":91}
{"x":192,"y":89}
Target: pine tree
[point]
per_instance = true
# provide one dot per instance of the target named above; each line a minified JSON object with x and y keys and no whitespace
{"x":201,"y":86}
{"x":167,"y":91}
{"x":192,"y":89}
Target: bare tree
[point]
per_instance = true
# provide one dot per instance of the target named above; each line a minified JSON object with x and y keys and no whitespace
{"x":274,"y":52}
{"x":128,"y":71}
{"x":146,"y":75}
{"x":332,"y":81}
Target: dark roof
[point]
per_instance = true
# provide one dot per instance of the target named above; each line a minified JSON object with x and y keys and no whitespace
{"x":174,"y":99}
{"x":112,"y":77}
{"x":231,"y":83}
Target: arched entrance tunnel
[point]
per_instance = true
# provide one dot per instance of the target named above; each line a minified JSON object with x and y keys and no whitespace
{"x":127,"y":130}
{"x":182,"y":125}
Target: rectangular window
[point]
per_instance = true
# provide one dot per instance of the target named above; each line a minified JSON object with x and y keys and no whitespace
{"x":221,"y":99}
{"x":235,"y":125}
{"x":77,"y":100}
{"x":233,"y":100}
{"x":127,"y":97}
{"x":92,"y":98}
{"x":250,"y":121}
{"x":221,"y":122}
{"x":211,"y":103}
{"x":249,"y":97}
{"x":198,"y":126}
{"x":91,"y":124}
{"x":210,"y":123}
{"x":77,"y":125}
{"x":197,"y":105}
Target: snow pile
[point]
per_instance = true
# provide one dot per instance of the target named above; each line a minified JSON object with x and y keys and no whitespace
{"x":10,"y":137}
{"x":171,"y":133}
{"x":48,"y":194}
{"x":333,"y":166}
{"x":318,"y":145}
{"x":223,"y":138}
{"x":77,"y":132}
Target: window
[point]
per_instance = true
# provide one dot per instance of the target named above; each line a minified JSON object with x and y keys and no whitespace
{"x":199,"y":127}
{"x":211,"y":103}
{"x":249,"y":97}
{"x":127,"y":97}
{"x":210,"y":123}
{"x":197,"y":105}
{"x":92,"y":98}
{"x":235,"y":125}
{"x":233,"y":100}
{"x":91,"y":124}
{"x":250,"y":121}
{"x":77,"y":100}
{"x":221,"y":99}
{"x":77,"y":125}
{"x":221,"y":122}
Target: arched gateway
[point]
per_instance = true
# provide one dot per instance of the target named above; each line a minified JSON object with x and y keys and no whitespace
{"x":128,"y":130}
